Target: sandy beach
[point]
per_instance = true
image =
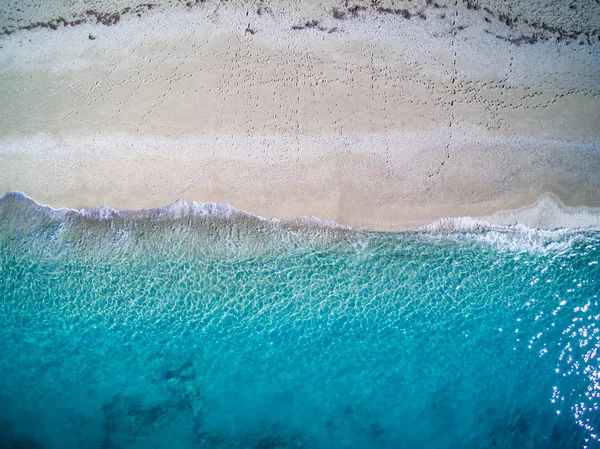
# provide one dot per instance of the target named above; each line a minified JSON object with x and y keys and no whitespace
{"x":379,"y":115}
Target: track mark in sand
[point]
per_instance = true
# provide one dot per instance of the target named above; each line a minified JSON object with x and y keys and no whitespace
{"x":452,"y":97}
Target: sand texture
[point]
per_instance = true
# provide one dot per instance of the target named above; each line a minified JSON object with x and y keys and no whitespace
{"x":382,"y":115}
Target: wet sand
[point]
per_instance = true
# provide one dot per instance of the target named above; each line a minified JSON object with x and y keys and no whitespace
{"x":373,"y":115}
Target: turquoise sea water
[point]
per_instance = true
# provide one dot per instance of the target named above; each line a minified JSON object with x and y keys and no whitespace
{"x":197,"y":326}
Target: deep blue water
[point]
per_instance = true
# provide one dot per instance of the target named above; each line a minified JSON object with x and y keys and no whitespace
{"x":181,"y":331}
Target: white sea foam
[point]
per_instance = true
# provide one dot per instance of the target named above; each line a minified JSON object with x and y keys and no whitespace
{"x":315,"y":221}
{"x":545,"y":226}
{"x":182,"y":209}
{"x":549,"y":212}
{"x":174,"y":211}
{"x":453,"y":225}
{"x":100,"y":213}
{"x":513,"y":238}
{"x":532,"y":241}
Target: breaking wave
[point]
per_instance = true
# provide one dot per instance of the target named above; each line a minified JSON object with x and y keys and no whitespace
{"x":514,"y":238}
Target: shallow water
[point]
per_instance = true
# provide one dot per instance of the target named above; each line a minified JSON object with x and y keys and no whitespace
{"x":187,"y":329}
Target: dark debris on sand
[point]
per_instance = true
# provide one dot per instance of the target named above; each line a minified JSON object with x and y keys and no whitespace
{"x":538,"y":31}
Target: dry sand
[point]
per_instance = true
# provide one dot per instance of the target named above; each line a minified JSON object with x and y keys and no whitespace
{"x":382,"y":116}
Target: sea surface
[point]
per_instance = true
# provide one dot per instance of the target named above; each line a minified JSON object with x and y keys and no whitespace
{"x":199,"y":326}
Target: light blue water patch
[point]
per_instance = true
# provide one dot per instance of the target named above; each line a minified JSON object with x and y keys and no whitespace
{"x":161,"y":331}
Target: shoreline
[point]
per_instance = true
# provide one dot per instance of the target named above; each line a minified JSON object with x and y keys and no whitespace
{"x":547,"y":213}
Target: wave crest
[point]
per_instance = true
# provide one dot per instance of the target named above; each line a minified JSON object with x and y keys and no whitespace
{"x":20,"y":213}
{"x":513,"y":238}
